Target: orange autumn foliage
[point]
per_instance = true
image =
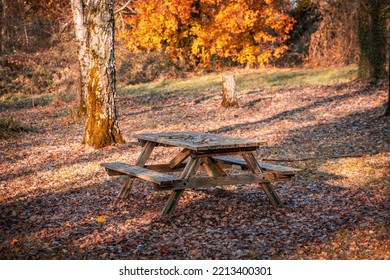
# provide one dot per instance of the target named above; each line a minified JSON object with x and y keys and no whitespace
{"x":201,"y":31}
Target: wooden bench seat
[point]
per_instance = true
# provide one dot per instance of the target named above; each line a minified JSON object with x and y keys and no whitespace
{"x":285,"y":170}
{"x":120,"y":168}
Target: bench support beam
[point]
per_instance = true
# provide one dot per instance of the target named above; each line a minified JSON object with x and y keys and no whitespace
{"x":141,"y":161}
{"x":269,"y":190}
{"x":189,"y":170}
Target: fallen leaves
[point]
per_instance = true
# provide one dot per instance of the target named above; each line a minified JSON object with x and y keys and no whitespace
{"x":101,"y":219}
{"x":56,"y":202}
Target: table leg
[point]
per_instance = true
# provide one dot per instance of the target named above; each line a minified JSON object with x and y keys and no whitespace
{"x":189,"y":170}
{"x":267,"y":187}
{"x":177,"y":160}
{"x":141,"y":161}
{"x":213,"y":169}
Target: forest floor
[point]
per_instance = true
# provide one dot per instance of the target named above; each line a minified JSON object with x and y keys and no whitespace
{"x":56,"y":202}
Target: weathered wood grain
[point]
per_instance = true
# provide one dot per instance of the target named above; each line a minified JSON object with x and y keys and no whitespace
{"x":177,"y":160}
{"x":230,"y":151}
{"x":141,"y":161}
{"x":189,"y":170}
{"x":140,"y":172}
{"x":145,"y":154}
{"x":207,"y":182}
{"x":285,"y":170}
{"x":164,"y":167}
{"x":269,"y":190}
{"x":212,"y":168}
{"x":198,"y":141}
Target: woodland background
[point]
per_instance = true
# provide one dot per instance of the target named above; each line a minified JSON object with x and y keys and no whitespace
{"x":39,"y":55}
{"x":302,"y":94}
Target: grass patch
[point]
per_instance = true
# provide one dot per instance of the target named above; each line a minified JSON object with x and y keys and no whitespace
{"x":19,"y":101}
{"x":11,"y":125}
{"x":208,"y":83}
{"x":296,"y":77}
{"x":247,"y":81}
{"x":24,"y":101}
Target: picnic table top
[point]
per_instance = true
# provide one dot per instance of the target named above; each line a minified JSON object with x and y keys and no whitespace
{"x":198,"y":141}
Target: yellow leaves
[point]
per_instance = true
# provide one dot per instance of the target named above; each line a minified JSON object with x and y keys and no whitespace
{"x":279,"y":51}
{"x":245,"y":31}
{"x":101,"y":219}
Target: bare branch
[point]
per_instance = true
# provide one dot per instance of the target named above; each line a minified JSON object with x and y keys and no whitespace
{"x":124,"y":7}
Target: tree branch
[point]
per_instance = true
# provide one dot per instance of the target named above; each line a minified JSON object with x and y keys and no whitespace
{"x":124,"y":7}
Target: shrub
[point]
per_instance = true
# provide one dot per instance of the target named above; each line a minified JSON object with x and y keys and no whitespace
{"x":11,"y":125}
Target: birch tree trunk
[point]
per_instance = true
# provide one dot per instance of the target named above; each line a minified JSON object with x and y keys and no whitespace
{"x":98,"y":70}
{"x":81,"y":39}
{"x":229,"y":95}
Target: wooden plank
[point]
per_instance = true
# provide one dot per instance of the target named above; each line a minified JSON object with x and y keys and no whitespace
{"x":189,"y":170}
{"x":145,"y":154}
{"x":198,"y":141}
{"x":140,"y":172}
{"x":141,"y":161}
{"x":114,"y":173}
{"x":231,"y":151}
{"x":269,"y":190}
{"x":177,"y":160}
{"x":165,"y":167}
{"x":156,"y":167}
{"x":126,"y":188}
{"x":232,"y":161}
{"x":285,"y":170}
{"x":212,"y":168}
{"x":206,"y":182}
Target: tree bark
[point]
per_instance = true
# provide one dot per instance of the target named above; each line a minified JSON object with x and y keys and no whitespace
{"x":387,"y":110}
{"x":372,"y":39}
{"x":98,"y":72}
{"x":81,"y":39}
{"x":4,"y":37}
{"x":229,"y":95}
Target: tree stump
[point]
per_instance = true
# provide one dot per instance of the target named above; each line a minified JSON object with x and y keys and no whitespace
{"x":229,"y":95}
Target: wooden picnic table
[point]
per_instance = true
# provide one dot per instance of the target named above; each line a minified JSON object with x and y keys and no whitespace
{"x":199,"y":151}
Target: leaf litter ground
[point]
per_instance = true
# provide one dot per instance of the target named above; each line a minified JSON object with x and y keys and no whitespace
{"x":56,"y":202}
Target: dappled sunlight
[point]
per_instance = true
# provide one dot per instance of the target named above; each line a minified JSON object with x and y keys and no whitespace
{"x":370,"y":171}
{"x":356,"y":244}
{"x":58,"y":202}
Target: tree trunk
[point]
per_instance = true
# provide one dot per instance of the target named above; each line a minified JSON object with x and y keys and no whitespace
{"x":4,"y":36}
{"x":372,"y":39}
{"x":387,"y":111}
{"x":81,"y":39}
{"x":229,"y":95}
{"x":101,"y":127}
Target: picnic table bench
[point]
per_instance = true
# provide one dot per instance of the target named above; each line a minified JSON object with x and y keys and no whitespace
{"x":200,"y":151}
